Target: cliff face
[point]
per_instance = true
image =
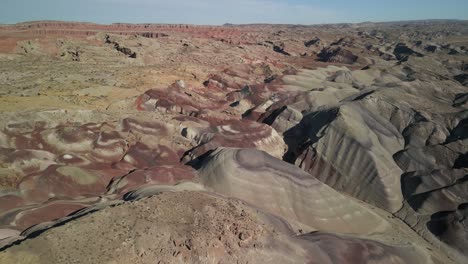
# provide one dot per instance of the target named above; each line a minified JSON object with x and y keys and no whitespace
{"x":58,"y":28}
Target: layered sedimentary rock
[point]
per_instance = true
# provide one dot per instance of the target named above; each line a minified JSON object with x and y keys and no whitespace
{"x":285,"y":190}
{"x":235,"y":134}
{"x":355,"y":149}
{"x":377,"y":142}
{"x":52,"y":171}
{"x":247,"y":143}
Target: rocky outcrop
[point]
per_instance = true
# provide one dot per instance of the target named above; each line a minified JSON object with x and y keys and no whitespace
{"x":462,"y":78}
{"x":431,"y":48}
{"x":312,"y":42}
{"x":280,"y":49}
{"x":120,"y":48}
{"x":402,"y":52}
{"x":245,"y":134}
{"x":337,"y":55}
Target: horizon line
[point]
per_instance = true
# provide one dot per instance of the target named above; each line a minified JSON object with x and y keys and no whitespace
{"x":242,"y":24}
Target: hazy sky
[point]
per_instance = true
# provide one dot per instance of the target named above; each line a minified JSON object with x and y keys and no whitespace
{"x":224,"y":11}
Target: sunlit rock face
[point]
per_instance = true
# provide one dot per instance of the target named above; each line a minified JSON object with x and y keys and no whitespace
{"x":242,"y":134}
{"x":356,"y":147}
{"x":382,"y":143}
{"x":285,"y":190}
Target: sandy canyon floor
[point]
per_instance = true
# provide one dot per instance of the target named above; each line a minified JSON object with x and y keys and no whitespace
{"x":234,"y":144}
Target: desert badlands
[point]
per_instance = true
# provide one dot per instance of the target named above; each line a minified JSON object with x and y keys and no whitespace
{"x":257,"y":143}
